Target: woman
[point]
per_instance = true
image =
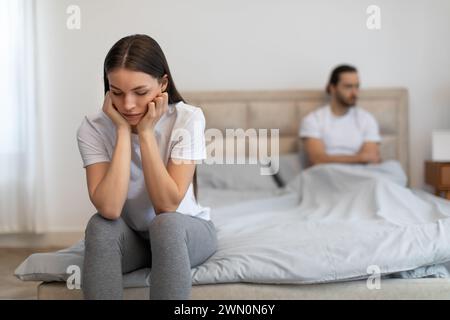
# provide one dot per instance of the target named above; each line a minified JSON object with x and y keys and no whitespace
{"x":140,"y":154}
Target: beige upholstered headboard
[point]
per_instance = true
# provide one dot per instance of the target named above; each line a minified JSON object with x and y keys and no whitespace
{"x":284,"y":110}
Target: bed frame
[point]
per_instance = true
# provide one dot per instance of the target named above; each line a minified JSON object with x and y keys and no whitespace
{"x":284,"y":110}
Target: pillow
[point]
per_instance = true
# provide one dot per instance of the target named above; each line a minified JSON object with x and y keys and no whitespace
{"x":248,"y":176}
{"x":234,"y":176}
{"x":52,"y":266}
{"x":290,"y":166}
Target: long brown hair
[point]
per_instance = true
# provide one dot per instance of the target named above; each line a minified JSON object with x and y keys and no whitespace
{"x":142,"y":53}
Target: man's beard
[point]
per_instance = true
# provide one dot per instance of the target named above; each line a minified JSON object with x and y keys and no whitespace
{"x":348,"y":103}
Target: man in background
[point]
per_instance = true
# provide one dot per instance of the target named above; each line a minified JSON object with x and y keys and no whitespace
{"x":341,"y":132}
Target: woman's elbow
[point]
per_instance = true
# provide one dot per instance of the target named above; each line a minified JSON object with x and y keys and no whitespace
{"x":110,"y":213}
{"x":167,"y":207}
{"x":315,"y":160}
{"x":169,"y":203}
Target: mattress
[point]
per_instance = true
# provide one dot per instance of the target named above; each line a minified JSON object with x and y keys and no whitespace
{"x":390,"y":289}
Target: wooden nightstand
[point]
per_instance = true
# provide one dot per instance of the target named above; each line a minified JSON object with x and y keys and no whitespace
{"x":437,"y":174}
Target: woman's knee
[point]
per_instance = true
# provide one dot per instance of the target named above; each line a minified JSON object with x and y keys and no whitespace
{"x":169,"y":223}
{"x":99,"y":228}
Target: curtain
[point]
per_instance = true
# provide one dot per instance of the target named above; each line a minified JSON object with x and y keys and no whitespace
{"x":19,"y":131}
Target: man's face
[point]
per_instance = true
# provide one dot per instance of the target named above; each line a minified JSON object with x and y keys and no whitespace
{"x":347,"y":89}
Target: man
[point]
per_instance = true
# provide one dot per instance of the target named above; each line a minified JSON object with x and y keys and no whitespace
{"x":341,"y":132}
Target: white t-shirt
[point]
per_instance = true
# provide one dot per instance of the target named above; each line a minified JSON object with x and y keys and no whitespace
{"x":180,"y":134}
{"x":342,"y":135}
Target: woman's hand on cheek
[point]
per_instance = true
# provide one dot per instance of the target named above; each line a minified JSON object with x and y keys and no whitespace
{"x":110,"y":110}
{"x":155,"y":110}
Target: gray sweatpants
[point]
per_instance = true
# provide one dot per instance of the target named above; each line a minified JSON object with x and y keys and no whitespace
{"x":177,"y":243}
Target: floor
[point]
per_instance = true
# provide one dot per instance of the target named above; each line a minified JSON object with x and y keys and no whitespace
{"x":15,"y":248}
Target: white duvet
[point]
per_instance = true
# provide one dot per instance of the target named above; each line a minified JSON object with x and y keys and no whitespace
{"x":333,"y":222}
{"x":339,"y":222}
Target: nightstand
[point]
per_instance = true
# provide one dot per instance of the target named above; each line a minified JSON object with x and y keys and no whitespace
{"x":437,"y":174}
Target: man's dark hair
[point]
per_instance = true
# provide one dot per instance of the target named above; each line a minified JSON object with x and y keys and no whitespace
{"x":336,"y":73}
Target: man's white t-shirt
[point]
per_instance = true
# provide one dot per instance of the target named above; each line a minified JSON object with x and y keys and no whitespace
{"x":180,"y":134}
{"x":341,"y":135}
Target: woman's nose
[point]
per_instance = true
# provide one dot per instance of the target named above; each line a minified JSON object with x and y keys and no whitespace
{"x":129,"y":103}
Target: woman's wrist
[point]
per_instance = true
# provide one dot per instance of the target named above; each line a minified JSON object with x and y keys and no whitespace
{"x":124,"y":129}
{"x":145,"y":131}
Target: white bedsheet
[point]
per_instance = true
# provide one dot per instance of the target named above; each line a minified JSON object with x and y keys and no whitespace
{"x":217,"y":198}
{"x":342,"y":220}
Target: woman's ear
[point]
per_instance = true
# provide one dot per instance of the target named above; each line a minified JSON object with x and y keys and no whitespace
{"x":164,"y":83}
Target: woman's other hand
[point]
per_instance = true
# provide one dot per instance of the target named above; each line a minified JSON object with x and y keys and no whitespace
{"x":155,"y":110}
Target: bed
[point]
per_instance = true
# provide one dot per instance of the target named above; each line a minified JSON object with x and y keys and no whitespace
{"x":284,"y":110}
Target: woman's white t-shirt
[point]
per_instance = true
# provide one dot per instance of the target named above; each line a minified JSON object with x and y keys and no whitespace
{"x":341,"y":135}
{"x":180,"y":134}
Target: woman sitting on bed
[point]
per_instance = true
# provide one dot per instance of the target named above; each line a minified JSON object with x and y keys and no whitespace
{"x":341,"y":132}
{"x":140,"y":155}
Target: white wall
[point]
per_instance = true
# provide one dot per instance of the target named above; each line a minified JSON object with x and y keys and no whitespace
{"x":253,"y":44}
